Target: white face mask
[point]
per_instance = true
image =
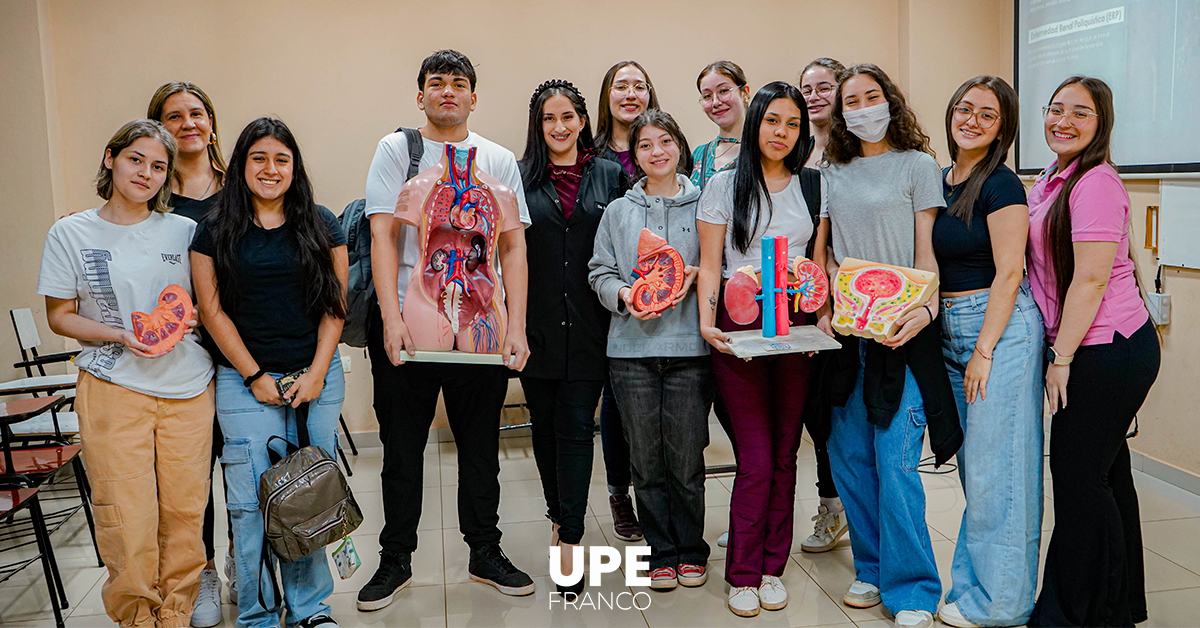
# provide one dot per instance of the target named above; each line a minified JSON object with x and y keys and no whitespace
{"x":869,"y":123}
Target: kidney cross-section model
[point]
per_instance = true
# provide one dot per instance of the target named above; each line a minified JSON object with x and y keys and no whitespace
{"x":455,"y":299}
{"x":869,"y":297}
{"x":167,"y":323}
{"x":658,"y":275}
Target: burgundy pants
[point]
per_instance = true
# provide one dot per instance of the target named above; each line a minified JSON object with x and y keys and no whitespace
{"x":765,"y":400}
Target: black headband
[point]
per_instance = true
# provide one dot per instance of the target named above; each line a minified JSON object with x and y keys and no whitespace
{"x":552,"y":83}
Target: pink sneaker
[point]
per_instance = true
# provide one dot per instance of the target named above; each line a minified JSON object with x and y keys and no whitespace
{"x":663,"y":579}
{"x":692,"y":575}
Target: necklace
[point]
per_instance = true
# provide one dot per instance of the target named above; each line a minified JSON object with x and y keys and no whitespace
{"x":733,"y":142}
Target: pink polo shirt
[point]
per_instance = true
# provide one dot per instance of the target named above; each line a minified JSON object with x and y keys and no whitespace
{"x":1099,"y":213}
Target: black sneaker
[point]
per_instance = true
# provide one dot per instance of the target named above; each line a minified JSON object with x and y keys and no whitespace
{"x":322,"y":619}
{"x":489,"y":565}
{"x":394,"y":573}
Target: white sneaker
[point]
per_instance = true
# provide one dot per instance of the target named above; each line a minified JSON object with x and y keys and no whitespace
{"x":861,"y":595}
{"x":951,"y":616}
{"x":771,"y":594}
{"x":743,"y":601}
{"x":830,"y":526}
{"x":231,"y":578}
{"x":914,"y":619}
{"x":723,"y":540}
{"x":207,"y":611}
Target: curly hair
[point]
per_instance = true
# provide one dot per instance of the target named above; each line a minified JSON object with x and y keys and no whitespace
{"x":904,"y":132}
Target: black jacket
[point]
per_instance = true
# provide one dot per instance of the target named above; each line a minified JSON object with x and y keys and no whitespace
{"x":565,"y":323}
{"x":883,"y":385}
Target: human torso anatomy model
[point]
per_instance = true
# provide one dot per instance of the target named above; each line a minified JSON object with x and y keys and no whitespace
{"x":455,"y":297}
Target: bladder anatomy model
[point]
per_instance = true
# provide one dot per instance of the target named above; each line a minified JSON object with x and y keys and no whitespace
{"x":455,"y":299}
{"x":658,"y":275}
{"x":745,"y":298}
{"x":869,"y":297}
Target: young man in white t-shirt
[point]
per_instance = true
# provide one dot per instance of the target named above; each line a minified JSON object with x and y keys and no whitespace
{"x":406,"y":393}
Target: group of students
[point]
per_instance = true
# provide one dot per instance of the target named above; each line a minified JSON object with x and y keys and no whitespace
{"x":838,"y":165}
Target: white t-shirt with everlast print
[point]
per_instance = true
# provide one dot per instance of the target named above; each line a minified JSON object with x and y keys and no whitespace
{"x":113,"y":271}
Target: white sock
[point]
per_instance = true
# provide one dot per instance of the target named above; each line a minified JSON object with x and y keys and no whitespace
{"x":834,"y":504}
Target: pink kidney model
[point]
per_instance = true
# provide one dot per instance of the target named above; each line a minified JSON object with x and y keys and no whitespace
{"x":455,"y":299}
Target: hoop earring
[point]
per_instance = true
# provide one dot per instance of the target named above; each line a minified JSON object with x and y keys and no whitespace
{"x":212,"y":139}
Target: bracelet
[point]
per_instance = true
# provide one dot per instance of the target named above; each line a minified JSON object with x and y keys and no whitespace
{"x":926,"y":306}
{"x":250,"y":380}
{"x":982,"y":355}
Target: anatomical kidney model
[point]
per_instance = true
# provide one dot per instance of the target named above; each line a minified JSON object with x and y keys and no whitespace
{"x":869,"y":297}
{"x":658,"y":275}
{"x":743,"y":293}
{"x":455,"y":299}
{"x":167,"y":323}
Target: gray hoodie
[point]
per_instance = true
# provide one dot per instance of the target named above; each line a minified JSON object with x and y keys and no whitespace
{"x":677,"y":333}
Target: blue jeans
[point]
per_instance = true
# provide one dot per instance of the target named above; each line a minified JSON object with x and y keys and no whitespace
{"x":876,"y":472}
{"x":1000,"y":463}
{"x":247,"y":425}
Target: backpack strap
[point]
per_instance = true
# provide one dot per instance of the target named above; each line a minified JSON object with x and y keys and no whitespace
{"x":810,"y":187}
{"x":416,"y":148}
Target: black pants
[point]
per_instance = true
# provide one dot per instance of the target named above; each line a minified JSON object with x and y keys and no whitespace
{"x":405,"y":403}
{"x":612,"y":442}
{"x":665,"y":403}
{"x":210,"y":511}
{"x":1094,"y":575}
{"x":563,"y":416}
{"x":825,"y":486}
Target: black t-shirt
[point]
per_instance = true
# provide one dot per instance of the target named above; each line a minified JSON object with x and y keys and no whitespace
{"x":190,"y":207}
{"x":964,"y":255}
{"x":271,"y":316}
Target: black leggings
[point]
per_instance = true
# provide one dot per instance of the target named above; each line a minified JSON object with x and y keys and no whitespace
{"x":1094,"y":574}
{"x":218,"y":444}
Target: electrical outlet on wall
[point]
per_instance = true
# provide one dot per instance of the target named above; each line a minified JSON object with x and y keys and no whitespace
{"x":345,"y":364}
{"x":1159,"y":305}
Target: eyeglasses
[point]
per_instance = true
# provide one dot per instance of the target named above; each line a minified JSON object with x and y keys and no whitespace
{"x":824,"y":90}
{"x":985,"y":119}
{"x":638,"y":88}
{"x":1054,"y":114}
{"x":722,"y":94}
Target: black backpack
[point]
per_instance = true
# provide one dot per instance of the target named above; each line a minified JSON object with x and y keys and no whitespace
{"x":360,"y":289}
{"x":810,"y":187}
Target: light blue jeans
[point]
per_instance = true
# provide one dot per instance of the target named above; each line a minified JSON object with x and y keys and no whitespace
{"x":876,"y":474}
{"x":247,"y":425}
{"x":1000,"y":463}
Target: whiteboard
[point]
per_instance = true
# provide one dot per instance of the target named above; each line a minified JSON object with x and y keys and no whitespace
{"x":1179,"y":224}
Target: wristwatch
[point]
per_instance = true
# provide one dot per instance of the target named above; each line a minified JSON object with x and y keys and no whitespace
{"x":1060,"y":359}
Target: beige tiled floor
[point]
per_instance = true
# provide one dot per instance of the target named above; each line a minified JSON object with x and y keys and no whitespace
{"x":442,"y":595}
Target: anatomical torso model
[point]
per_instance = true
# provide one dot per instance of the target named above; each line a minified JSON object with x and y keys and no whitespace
{"x":868,"y":297}
{"x":455,"y":297}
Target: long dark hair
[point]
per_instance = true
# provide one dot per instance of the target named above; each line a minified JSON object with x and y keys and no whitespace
{"x":963,"y":207}
{"x":604,"y":121}
{"x":903,"y":133}
{"x":534,"y":163}
{"x":749,"y":184}
{"x":1058,"y":219}
{"x":662,"y":120}
{"x":233,"y":215}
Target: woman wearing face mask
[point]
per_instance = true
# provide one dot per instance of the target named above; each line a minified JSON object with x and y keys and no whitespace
{"x":658,"y":364}
{"x":186,"y":111}
{"x":1105,"y":356}
{"x":567,"y":189}
{"x":625,"y":93}
{"x":270,"y":274}
{"x":992,"y":343}
{"x":884,"y":192}
{"x":818,"y":85}
{"x":724,"y":96}
{"x":764,"y":195}
{"x":144,"y":415}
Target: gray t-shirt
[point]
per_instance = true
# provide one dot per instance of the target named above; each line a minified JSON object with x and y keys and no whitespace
{"x":873,"y":203}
